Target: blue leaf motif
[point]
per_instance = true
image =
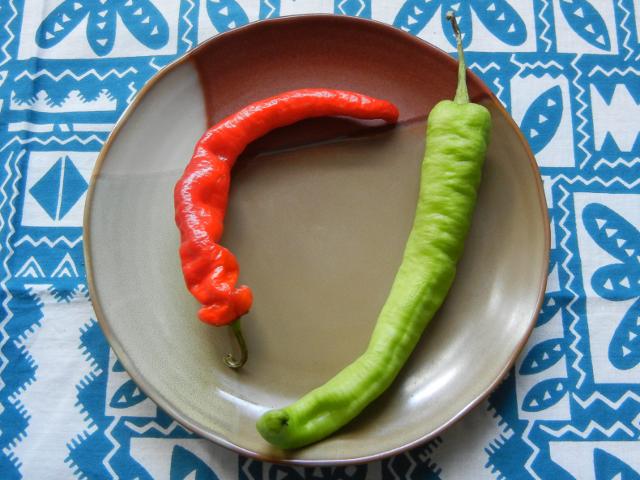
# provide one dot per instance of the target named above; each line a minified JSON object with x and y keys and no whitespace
{"x":60,"y":23}
{"x":542,"y":118}
{"x":553,"y":302}
{"x":542,"y":356}
{"x":544,"y":394}
{"x":101,"y":31}
{"x":127,"y":395}
{"x":145,"y":22}
{"x":117,"y":367}
{"x":612,"y":232}
{"x":185,"y":464}
{"x":586,"y":22}
{"x":609,"y":467}
{"x":624,"y":348}
{"x":226,"y":14}
{"x":501,"y":20}
{"x":414,"y":15}
{"x":462,"y":11}
{"x":617,"y":282}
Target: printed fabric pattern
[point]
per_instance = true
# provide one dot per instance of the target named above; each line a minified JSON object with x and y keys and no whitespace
{"x":568,"y":71}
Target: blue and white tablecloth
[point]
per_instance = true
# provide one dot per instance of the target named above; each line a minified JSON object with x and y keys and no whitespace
{"x":569,"y":73}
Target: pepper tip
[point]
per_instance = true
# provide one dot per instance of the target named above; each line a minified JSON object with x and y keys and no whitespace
{"x":273,"y":426}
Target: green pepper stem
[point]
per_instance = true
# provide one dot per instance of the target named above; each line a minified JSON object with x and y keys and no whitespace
{"x":229,"y":360}
{"x":462,"y":95}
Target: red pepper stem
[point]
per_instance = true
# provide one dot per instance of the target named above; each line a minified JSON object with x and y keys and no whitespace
{"x":229,"y":360}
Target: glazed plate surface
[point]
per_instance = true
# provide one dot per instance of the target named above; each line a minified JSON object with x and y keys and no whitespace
{"x":318,"y":217}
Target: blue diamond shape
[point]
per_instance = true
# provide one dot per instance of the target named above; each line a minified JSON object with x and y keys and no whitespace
{"x":59,"y":189}
{"x":351,"y":7}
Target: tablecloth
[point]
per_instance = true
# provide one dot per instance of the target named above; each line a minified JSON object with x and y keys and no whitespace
{"x":568,"y":72}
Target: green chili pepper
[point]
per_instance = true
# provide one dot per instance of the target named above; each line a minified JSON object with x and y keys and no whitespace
{"x":456,"y":144}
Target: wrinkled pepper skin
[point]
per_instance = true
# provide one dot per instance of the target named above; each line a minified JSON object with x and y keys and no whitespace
{"x":201,"y":194}
{"x":456,"y":143}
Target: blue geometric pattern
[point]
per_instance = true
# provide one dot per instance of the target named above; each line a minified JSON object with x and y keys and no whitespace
{"x":497,"y":16}
{"x":586,"y":22}
{"x":60,"y":188}
{"x":618,"y":281}
{"x":542,"y":119}
{"x":226,"y":14}
{"x":140,"y":17}
{"x":568,"y":71}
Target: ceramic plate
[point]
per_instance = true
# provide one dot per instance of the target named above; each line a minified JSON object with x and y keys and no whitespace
{"x":319,"y":214}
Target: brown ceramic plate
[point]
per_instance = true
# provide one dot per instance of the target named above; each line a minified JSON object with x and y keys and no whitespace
{"x":319,"y":214}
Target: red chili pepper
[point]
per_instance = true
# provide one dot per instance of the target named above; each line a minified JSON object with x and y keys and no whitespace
{"x":201,"y":194}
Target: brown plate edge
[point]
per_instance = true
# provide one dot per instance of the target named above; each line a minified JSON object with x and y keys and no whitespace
{"x":196,"y":427}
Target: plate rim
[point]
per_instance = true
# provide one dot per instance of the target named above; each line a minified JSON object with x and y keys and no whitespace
{"x":195,"y":426}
